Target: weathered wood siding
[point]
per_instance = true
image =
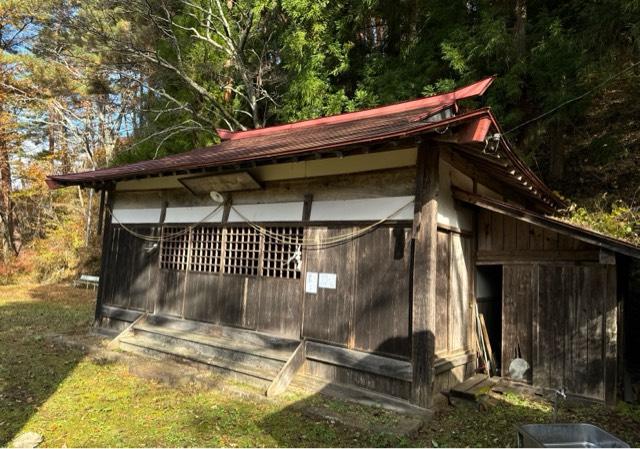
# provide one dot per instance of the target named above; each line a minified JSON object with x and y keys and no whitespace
{"x":454,"y":318}
{"x":131,"y":274}
{"x":369,"y":309}
{"x":505,"y":239}
{"x":559,"y":306}
{"x":454,"y":289}
{"x":562,"y":319}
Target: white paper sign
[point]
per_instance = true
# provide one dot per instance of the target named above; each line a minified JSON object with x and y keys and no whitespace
{"x":311,"y":284}
{"x":327,"y":280}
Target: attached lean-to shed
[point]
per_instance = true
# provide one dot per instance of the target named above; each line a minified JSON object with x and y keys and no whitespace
{"x":355,"y":250}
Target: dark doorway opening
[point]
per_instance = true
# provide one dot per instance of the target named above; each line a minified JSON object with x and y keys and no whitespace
{"x":629,"y":282}
{"x":489,"y":300}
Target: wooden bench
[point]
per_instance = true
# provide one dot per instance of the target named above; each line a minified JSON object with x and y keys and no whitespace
{"x":88,"y":281}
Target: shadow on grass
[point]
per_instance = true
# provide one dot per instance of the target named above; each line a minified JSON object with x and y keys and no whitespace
{"x":464,"y":425}
{"x":31,"y":366}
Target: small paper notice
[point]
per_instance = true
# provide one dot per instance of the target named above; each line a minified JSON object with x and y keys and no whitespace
{"x":311,"y":284}
{"x":327,"y":280}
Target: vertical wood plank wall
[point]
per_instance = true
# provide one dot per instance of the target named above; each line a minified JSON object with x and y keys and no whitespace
{"x":453,"y":294}
{"x":559,"y":306}
{"x":368,"y":311}
{"x":454,"y":313}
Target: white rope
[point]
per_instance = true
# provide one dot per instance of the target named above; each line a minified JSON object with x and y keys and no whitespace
{"x":156,"y":239}
{"x":329,"y":241}
{"x":326,"y":242}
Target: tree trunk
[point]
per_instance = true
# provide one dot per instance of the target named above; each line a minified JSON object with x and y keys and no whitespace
{"x":557,"y":154}
{"x":520,"y":31}
{"x":7,"y":214}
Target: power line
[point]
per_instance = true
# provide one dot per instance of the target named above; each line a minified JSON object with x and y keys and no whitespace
{"x":579,"y":97}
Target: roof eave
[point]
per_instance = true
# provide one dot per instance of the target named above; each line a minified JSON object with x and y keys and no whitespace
{"x":554,"y":224}
{"x":58,"y":181}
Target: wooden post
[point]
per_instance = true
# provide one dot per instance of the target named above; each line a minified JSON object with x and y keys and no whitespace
{"x":104,"y":253}
{"x":425,"y":246}
{"x":610,"y":324}
{"x":101,"y":212}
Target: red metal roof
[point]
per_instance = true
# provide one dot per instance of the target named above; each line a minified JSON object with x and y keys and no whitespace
{"x":371,"y":125}
{"x":425,"y":104}
{"x":406,"y":119}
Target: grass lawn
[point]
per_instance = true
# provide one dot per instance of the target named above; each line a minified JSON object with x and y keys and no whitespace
{"x":76,"y":400}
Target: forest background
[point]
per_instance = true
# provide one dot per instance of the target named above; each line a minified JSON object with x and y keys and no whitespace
{"x":95,"y":83}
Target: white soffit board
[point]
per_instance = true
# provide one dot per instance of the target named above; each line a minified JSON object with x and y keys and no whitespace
{"x":151,"y":215}
{"x":194,"y":214}
{"x":363,"y":209}
{"x":267,"y":212}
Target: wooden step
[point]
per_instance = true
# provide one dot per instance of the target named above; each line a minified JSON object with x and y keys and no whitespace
{"x":358,"y":395}
{"x":225,"y":352}
{"x":239,"y":335}
{"x":222,"y":343}
{"x":473,"y":387}
{"x":241,"y":369}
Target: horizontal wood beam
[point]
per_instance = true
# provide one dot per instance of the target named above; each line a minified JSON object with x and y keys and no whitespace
{"x":532,"y":255}
{"x":449,"y":362}
{"x":119,"y":314}
{"x":361,"y":361}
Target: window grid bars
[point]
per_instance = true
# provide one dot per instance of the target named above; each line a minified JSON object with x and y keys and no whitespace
{"x":233,"y":250}
{"x":206,"y":249}
{"x":174,"y":251}
{"x":282,"y":260}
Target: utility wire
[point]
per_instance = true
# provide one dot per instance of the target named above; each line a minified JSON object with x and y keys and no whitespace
{"x":579,"y":97}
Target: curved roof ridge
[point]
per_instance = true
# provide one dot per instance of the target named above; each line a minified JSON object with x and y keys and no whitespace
{"x":472,"y":90}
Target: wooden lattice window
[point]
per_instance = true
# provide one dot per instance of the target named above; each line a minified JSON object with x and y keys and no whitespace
{"x":233,"y":250}
{"x":174,"y":251}
{"x":206,"y":249}
{"x":282,"y":252}
{"x":242,"y":251}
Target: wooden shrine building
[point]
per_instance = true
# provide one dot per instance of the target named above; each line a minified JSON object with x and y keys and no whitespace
{"x":358,"y":250}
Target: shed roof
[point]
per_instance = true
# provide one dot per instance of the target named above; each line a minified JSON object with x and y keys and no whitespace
{"x":554,"y":224}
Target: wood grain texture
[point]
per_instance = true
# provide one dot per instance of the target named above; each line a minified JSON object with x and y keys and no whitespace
{"x":504,"y":239}
{"x":442,"y":293}
{"x":610,"y":337}
{"x":460,"y":294}
{"x":347,"y":376}
{"x":288,"y":371}
{"x":362,"y":361}
{"x":171,"y":284}
{"x":571,"y":340}
{"x":328,"y":314}
{"x":520,"y":283}
{"x":382,"y":291}
{"x":279,"y":304}
{"x":130,"y":269}
{"x":423,"y":323}
{"x":550,"y":345}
